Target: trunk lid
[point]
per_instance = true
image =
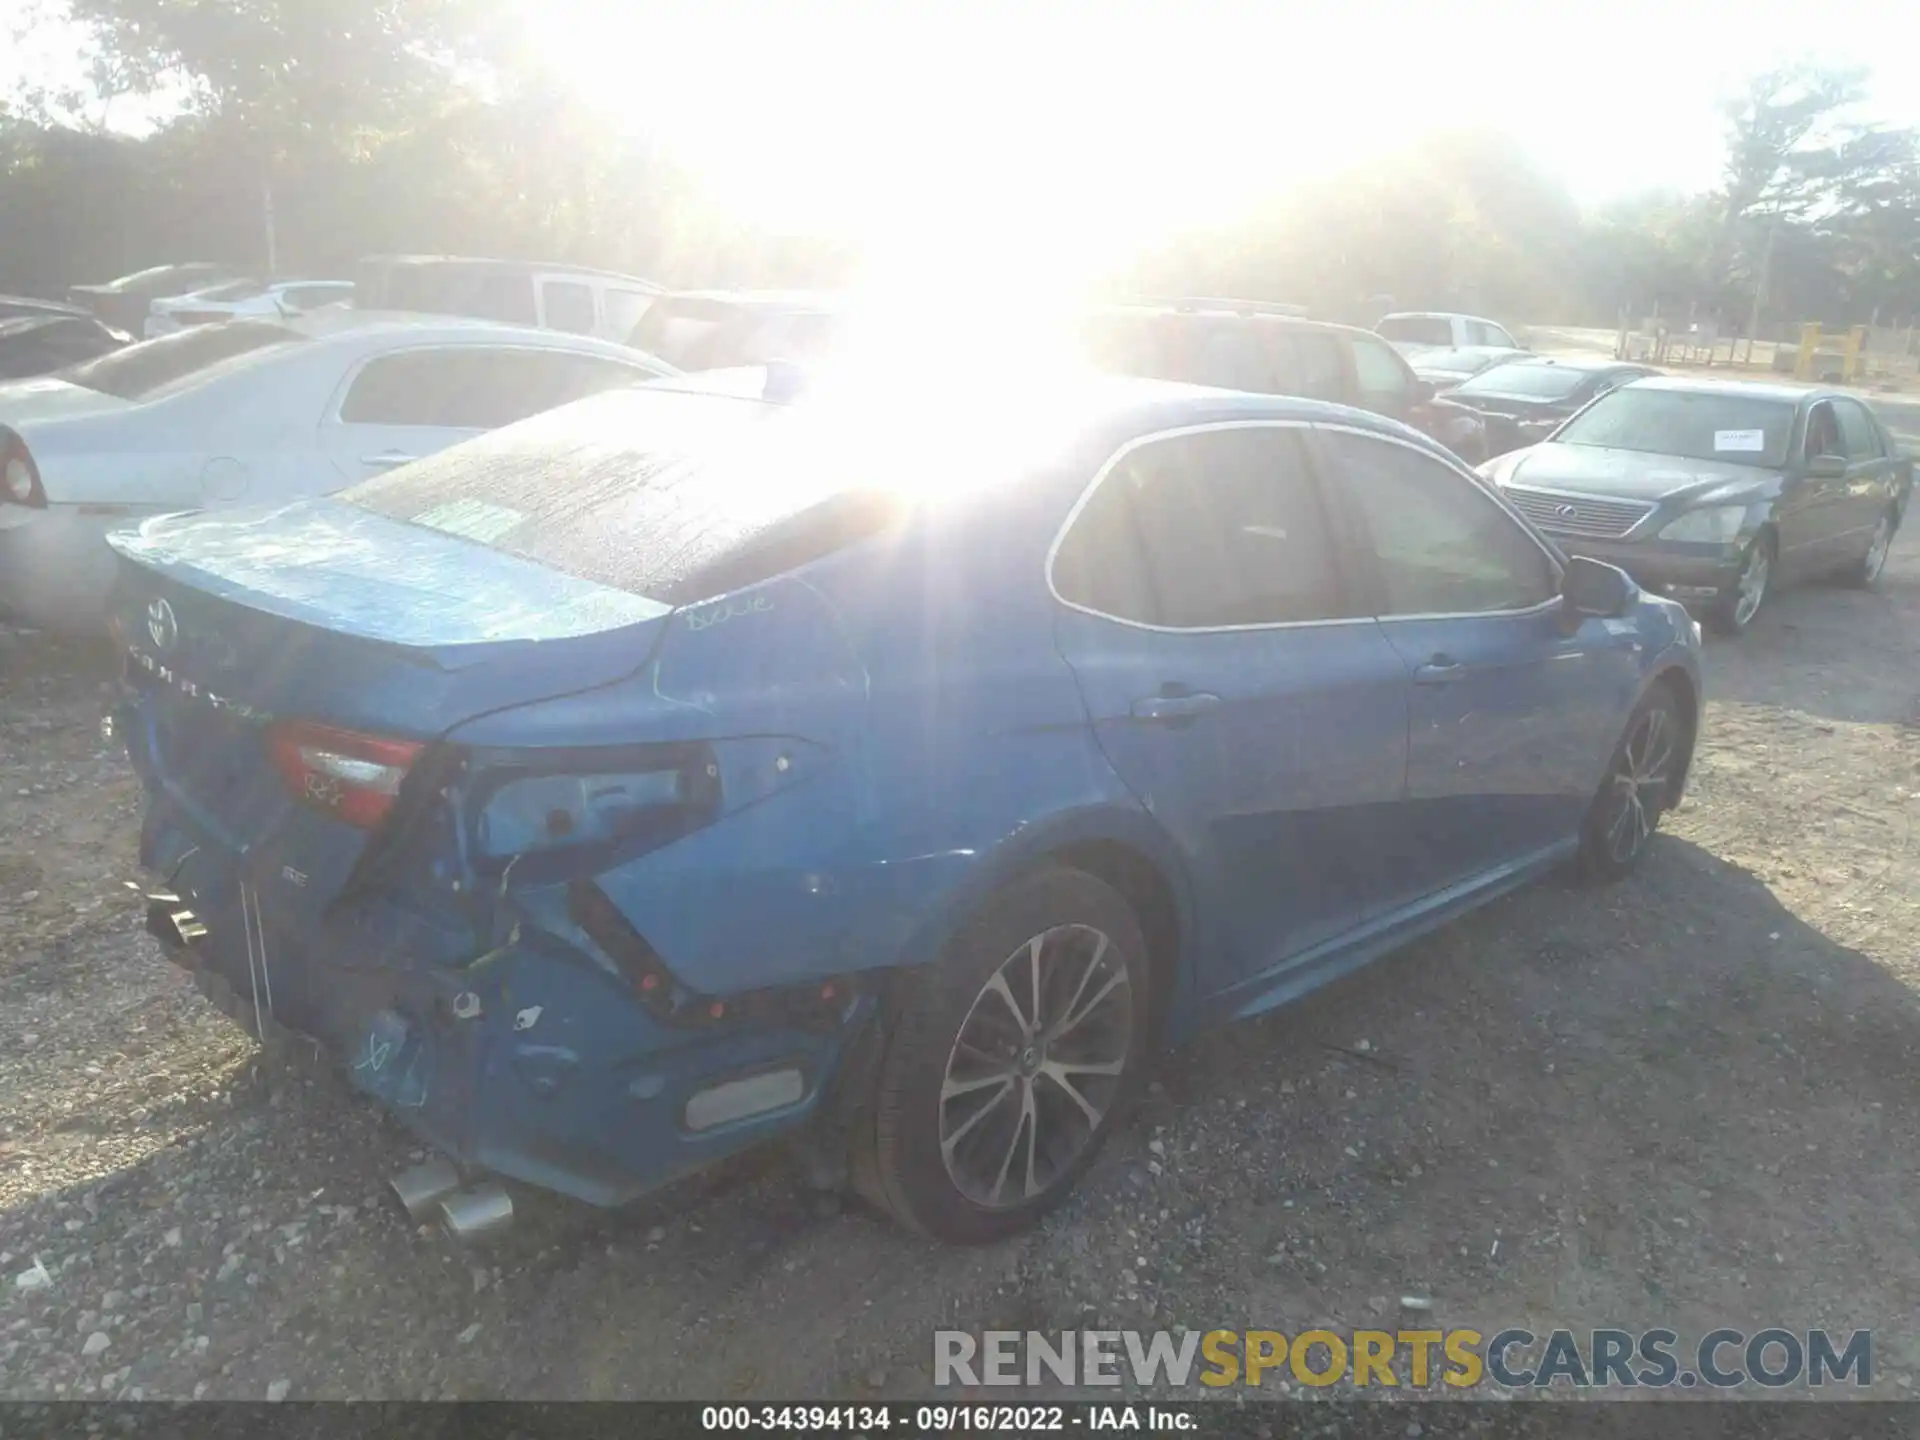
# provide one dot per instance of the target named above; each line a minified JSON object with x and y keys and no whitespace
{"x":320,"y":613}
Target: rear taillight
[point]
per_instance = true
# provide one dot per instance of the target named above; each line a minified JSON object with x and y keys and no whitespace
{"x":19,"y":476}
{"x":354,"y":778}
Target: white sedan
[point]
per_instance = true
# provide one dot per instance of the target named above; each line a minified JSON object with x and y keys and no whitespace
{"x":254,"y":411}
{"x":243,"y":299}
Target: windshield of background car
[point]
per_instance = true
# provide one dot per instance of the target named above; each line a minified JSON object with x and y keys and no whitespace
{"x":1692,"y":424}
{"x":1522,"y":381}
{"x":1416,"y":329}
{"x":141,"y":371}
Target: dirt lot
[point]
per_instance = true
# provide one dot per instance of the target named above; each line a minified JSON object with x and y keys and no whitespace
{"x":1686,"y":1101}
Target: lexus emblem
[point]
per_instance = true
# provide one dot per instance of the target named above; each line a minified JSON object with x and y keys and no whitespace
{"x":1565,"y":512}
{"x":161,"y":625}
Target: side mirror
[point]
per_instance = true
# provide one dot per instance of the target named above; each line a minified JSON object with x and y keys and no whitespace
{"x":1827,"y":467}
{"x":1592,"y":587}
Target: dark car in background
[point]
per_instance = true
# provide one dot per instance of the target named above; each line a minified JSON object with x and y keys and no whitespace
{"x":1527,"y":398}
{"x":123,"y":303}
{"x":721,"y":329}
{"x":1274,"y":350}
{"x":572,"y":298}
{"x":1727,"y":488}
{"x":1444,"y":369}
{"x":39,"y":344}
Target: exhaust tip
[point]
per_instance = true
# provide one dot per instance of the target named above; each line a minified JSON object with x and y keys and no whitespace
{"x":471,"y":1216}
{"x":421,"y":1188}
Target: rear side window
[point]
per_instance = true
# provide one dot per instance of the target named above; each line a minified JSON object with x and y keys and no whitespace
{"x":1222,"y":528}
{"x":569,"y":306}
{"x":485,"y":292}
{"x":476,"y":388}
{"x":177,"y":360}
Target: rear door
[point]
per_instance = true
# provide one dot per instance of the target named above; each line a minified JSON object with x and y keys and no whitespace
{"x":1511,"y":718}
{"x":401,"y":407}
{"x":1232,"y":687}
{"x":1817,"y":514}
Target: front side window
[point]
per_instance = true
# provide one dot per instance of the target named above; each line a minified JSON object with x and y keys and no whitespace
{"x":1857,"y":431}
{"x":1221,"y":528}
{"x":1385,"y":383}
{"x":624,"y":309}
{"x":1443,"y":546}
{"x":1308,"y":363}
{"x":1823,"y":432}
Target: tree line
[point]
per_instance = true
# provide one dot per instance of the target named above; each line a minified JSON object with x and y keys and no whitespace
{"x":311,"y":132}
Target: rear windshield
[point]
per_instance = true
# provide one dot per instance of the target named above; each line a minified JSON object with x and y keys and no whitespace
{"x":153,"y":365}
{"x":1523,"y":381}
{"x":672,"y":495}
{"x":691,"y":332}
{"x":1416,"y":329}
{"x":1692,"y":424}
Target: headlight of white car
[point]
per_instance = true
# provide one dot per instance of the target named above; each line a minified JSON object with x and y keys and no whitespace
{"x":1714,"y":525}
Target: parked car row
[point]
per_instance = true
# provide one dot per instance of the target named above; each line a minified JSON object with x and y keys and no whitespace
{"x":253,"y":410}
{"x":1728,"y":489}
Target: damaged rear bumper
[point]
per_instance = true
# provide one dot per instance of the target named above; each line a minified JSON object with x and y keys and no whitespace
{"x":529,"y":1062}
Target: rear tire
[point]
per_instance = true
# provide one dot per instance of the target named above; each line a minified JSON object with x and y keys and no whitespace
{"x":1009,"y":1062}
{"x":1736,"y":604}
{"x":1638,"y":789}
{"x":1866,"y":570}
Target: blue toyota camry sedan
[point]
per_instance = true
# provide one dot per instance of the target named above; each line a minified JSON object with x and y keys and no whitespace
{"x":685,"y":768}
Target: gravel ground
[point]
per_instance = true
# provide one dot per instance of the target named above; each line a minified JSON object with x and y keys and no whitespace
{"x":1683,"y":1101}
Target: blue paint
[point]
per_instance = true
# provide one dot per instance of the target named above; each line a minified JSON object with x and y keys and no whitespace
{"x":856,"y":754}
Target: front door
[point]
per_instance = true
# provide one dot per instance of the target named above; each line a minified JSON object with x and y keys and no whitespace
{"x":1511,"y":718}
{"x":1232,"y":687}
{"x":1870,"y":477}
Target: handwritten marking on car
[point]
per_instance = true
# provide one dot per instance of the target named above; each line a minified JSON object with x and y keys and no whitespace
{"x":293,"y":876}
{"x":713,"y":615}
{"x":527,"y":1018}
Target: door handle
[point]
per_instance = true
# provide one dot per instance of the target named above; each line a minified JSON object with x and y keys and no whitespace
{"x":1162,"y":709}
{"x":1441,"y":670}
{"x":387,"y":459}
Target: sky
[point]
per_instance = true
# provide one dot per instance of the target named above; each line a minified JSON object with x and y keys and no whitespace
{"x":1091,"y":124}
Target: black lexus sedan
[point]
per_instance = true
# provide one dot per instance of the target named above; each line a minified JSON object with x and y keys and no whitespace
{"x":1526,"y":399}
{"x":1728,"y":489}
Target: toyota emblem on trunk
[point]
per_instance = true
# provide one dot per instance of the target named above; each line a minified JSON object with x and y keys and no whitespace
{"x":161,"y":625}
